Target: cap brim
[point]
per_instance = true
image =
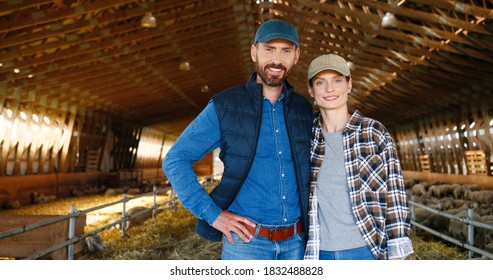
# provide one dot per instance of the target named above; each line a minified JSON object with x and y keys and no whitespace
{"x":339,"y":70}
{"x":273,"y":36}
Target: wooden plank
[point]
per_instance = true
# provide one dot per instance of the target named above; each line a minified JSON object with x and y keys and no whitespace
{"x":38,"y":139}
{"x":425,"y":162}
{"x":31,"y":242}
{"x":66,"y":137}
{"x":485,"y":182}
{"x":7,"y":137}
{"x":47,"y":145}
{"x":476,"y":162}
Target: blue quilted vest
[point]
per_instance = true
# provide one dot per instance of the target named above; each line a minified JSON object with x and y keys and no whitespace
{"x":239,"y":111}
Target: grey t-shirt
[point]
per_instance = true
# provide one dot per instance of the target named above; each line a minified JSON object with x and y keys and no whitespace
{"x":338,"y":230}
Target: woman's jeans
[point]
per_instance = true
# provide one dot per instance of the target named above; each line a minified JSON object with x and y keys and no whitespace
{"x":260,"y":248}
{"x":360,"y":253}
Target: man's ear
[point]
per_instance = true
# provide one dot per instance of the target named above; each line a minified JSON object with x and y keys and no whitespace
{"x":297,"y":55}
{"x":253,"y":53}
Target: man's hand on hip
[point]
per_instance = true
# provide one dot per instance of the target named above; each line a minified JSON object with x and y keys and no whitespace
{"x":228,"y":222}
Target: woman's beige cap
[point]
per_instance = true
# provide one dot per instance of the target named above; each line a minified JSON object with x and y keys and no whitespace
{"x":328,"y":62}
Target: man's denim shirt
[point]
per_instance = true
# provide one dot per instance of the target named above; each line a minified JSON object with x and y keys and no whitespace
{"x":269,"y":195}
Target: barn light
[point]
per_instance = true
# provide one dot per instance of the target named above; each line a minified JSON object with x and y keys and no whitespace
{"x":35,"y":118}
{"x":17,"y":70}
{"x":184,"y":66}
{"x":351,"y":65}
{"x":389,"y":20}
{"x":46,"y":120}
{"x":204,"y":88}
{"x":148,"y":21}
{"x":23,"y":116}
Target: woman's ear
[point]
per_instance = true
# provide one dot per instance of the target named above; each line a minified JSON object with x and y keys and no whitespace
{"x":310,"y":91}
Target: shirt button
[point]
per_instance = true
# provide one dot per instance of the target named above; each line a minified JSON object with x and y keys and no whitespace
{"x":283,"y":197}
{"x":282,"y":175}
{"x":274,"y":109}
{"x":277,"y":130}
{"x":280,"y":152}
{"x":285,"y":219}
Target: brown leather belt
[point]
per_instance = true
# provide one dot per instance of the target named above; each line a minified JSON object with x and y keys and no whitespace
{"x":277,"y":234}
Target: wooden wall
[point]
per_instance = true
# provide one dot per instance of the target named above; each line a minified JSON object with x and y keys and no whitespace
{"x":456,"y":143}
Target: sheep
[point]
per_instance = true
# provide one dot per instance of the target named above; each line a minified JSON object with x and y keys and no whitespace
{"x":408,"y":184}
{"x":133,"y":191}
{"x":481,"y":197}
{"x":443,"y":190}
{"x":437,"y":222}
{"x":39,"y":198}
{"x":460,"y":192}
{"x":459,"y":230}
{"x":447,"y":203}
{"x":13,"y":204}
{"x":94,"y":244}
{"x":114,"y":191}
{"x":419,"y":189}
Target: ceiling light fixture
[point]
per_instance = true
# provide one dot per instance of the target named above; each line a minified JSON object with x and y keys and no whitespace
{"x":184,"y":66}
{"x":389,"y":20}
{"x":148,"y":21}
{"x":204,"y":88}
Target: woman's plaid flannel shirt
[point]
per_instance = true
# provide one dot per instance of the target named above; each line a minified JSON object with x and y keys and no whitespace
{"x":376,"y":188}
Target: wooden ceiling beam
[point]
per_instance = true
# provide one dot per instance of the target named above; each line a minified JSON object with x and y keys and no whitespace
{"x":125,"y":40}
{"x":91,"y":71}
{"x":103,"y":33}
{"x":424,"y":16}
{"x":32,"y":18}
{"x":10,"y":7}
{"x":459,"y":7}
{"x":99,"y":55}
{"x":406,"y":38}
{"x":88,"y":23}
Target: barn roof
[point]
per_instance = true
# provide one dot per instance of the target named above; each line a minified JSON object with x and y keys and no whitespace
{"x":96,"y":57}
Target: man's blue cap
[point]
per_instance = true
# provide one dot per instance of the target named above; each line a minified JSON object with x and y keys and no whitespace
{"x":276,"y":29}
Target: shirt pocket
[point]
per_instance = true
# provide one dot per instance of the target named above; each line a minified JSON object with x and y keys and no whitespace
{"x":372,"y":173}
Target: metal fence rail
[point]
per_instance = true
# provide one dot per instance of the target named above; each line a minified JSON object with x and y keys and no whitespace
{"x":469,"y":221}
{"x":72,"y":239}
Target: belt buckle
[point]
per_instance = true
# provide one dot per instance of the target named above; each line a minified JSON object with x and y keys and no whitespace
{"x":273,"y":230}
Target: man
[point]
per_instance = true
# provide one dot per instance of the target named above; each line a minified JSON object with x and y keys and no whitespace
{"x":263,"y":129}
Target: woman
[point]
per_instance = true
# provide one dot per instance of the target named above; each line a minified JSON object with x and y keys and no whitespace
{"x":358,"y":206}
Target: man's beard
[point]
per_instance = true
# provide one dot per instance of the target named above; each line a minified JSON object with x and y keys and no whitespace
{"x":273,"y":81}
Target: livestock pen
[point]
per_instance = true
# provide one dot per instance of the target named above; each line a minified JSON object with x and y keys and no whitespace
{"x":170,"y":235}
{"x":10,"y":238}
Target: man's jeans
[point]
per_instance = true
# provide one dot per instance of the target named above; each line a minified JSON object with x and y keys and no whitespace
{"x":260,"y":248}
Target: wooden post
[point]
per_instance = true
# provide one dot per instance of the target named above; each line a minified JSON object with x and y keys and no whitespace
{"x":67,"y":135}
